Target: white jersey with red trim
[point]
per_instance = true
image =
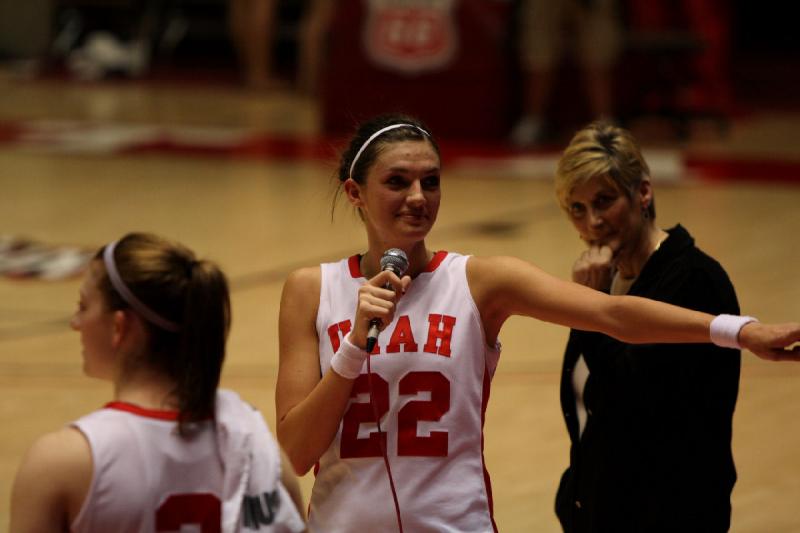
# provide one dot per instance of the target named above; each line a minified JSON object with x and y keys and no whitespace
{"x":148,"y":478}
{"x":431,"y":375}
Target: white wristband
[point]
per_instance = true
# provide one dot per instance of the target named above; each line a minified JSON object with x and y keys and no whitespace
{"x":725,"y":329}
{"x":348,"y":359}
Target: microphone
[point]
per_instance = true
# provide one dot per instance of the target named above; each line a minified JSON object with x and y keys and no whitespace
{"x":396,"y":260}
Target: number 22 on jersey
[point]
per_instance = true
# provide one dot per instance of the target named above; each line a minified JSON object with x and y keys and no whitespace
{"x":408,"y":442}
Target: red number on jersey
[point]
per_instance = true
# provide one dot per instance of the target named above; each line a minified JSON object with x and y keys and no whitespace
{"x":360,"y":413}
{"x":178,"y":510}
{"x":408,"y":443}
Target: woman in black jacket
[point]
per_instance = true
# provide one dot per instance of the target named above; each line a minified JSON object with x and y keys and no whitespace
{"x":650,"y":425}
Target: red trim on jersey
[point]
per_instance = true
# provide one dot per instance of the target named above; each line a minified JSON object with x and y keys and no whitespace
{"x":354,"y":263}
{"x":436,"y":260}
{"x":141,"y":411}
{"x":487,"y":383}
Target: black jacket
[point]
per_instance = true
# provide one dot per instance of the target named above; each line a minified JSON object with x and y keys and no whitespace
{"x":655,"y":455}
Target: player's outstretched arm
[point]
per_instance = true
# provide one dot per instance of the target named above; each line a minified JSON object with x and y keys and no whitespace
{"x":505,"y":286}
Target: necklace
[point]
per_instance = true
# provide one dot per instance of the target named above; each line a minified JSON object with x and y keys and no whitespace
{"x":620,"y":284}
{"x":658,"y":244}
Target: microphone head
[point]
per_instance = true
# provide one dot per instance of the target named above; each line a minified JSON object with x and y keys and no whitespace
{"x":396,"y":260}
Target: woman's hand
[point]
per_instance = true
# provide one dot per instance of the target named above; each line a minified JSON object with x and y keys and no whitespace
{"x":775,"y":342}
{"x":377,"y":301}
{"x":594,"y":268}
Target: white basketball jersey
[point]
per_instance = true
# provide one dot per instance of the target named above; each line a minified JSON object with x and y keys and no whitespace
{"x":148,"y":479}
{"x":431,"y":376}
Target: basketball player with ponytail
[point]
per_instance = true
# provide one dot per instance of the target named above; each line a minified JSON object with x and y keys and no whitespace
{"x":428,"y":377}
{"x":170,"y":449}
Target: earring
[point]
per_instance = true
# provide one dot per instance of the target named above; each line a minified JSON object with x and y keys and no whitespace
{"x":645,"y":213}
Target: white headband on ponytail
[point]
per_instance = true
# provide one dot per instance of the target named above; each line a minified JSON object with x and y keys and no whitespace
{"x":126,"y":294}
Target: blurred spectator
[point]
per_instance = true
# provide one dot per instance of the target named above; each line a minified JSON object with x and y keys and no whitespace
{"x":548,"y":27}
{"x":256,"y":25}
{"x":253,"y":25}
{"x":705,"y":85}
{"x":313,"y":34}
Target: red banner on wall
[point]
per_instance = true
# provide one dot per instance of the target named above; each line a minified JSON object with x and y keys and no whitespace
{"x":413,"y":36}
{"x":447,"y":62}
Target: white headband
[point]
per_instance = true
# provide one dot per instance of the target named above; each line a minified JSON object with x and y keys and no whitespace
{"x":126,"y":294}
{"x":372,"y":138}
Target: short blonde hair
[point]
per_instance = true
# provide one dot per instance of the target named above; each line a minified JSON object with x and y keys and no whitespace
{"x":606,"y":152}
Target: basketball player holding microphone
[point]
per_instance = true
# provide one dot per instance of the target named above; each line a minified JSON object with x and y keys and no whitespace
{"x":427,"y":378}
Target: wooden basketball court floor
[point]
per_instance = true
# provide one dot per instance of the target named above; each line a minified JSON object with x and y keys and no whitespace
{"x":66,"y":182}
